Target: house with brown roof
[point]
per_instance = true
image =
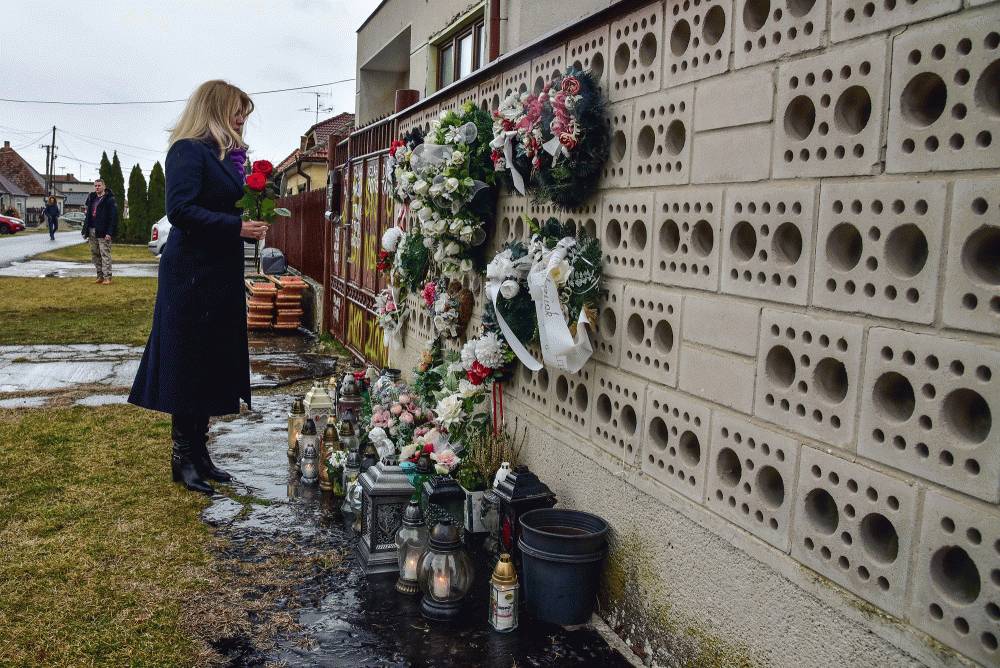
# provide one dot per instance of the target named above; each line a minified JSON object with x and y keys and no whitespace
{"x":75,"y":191}
{"x":18,"y":171}
{"x":13,"y":200}
{"x":305,"y":168}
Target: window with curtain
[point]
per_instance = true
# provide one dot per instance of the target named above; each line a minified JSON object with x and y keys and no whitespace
{"x":462,"y":53}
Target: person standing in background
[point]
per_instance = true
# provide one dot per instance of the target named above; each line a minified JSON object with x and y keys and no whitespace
{"x":52,"y":216}
{"x":100,"y":227}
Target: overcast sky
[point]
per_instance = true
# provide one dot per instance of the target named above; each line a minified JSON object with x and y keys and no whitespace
{"x":114,"y":50}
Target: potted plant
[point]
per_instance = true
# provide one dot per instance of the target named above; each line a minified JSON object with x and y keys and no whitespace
{"x":486,"y":450}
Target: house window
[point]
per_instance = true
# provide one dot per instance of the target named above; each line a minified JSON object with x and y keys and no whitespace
{"x":462,"y":53}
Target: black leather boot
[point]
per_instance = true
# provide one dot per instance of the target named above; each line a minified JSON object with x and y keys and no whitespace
{"x":202,"y":460}
{"x":182,"y":462}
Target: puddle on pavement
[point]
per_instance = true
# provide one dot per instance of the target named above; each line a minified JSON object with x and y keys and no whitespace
{"x":348,"y":619}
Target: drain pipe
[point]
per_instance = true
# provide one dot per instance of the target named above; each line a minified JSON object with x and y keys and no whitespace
{"x":298,"y":170}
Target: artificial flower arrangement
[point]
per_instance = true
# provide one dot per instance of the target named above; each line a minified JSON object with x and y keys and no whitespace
{"x":449,"y":305}
{"x":391,"y":314}
{"x":397,"y":169}
{"x":396,"y":415}
{"x":577,"y":275}
{"x":553,"y":143}
{"x":335,"y":463}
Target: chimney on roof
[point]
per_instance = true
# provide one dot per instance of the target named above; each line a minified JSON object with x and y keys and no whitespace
{"x":6,"y":144}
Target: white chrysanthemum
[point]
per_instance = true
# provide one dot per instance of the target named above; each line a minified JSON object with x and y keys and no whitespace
{"x":468,"y":354}
{"x":489,"y":351}
{"x":391,"y":238}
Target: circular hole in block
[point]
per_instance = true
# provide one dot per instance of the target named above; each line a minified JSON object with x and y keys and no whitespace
{"x":690,"y":448}
{"x":906,"y":250}
{"x":543,"y":380}
{"x":822,"y":511}
{"x":596,"y":66}
{"x":771,"y":487}
{"x":780,"y":366}
{"x":670,"y":237}
{"x":623,"y":57}
{"x":799,"y":8}
{"x":663,"y":337}
{"x":647,"y":49}
{"x":702,"y":238}
{"x":981,"y":255}
{"x":581,"y":397}
{"x":853,"y":110}
{"x":680,"y":37}
{"x":646,"y":142}
{"x":830,"y":379}
{"x":787,"y":244}
{"x":676,"y":137}
{"x":800,"y":117}
{"x":609,"y":323}
{"x":988,"y":89}
{"x":924,"y":98}
{"x":967,"y":415}
{"x":879,"y":538}
{"x":755,"y":13}
{"x":743,"y":241}
{"x":603,"y":408}
{"x":636,"y":329}
{"x":612,"y":234}
{"x":714,"y":25}
{"x":562,"y":389}
{"x":729,"y":467}
{"x":619,"y":144}
{"x":629,"y":423}
{"x":955,"y":575}
{"x":659,"y":433}
{"x":844,"y":247}
{"x":893,"y":397}
{"x":637,"y":235}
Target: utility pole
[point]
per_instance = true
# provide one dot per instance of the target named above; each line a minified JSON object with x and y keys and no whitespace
{"x":50,"y":161}
{"x":318,"y":108}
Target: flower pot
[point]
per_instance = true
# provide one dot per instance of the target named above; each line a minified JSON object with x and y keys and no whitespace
{"x":561,"y":554}
{"x":473,"y":515}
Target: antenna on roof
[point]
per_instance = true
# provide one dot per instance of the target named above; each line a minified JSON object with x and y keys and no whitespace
{"x":318,"y":107}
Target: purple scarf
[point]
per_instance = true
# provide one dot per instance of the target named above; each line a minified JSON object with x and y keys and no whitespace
{"x":238,"y":156}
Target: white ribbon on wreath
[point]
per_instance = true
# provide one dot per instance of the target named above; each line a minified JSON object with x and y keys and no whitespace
{"x":498,"y":280}
{"x":396,"y":324}
{"x":505,"y":140}
{"x":559,"y":349}
{"x":556,"y":149}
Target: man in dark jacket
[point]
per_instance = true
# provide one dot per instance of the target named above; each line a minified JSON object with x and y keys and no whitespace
{"x":100,"y":226}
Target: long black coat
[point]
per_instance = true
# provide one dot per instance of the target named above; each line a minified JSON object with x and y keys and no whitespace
{"x":196,"y":360}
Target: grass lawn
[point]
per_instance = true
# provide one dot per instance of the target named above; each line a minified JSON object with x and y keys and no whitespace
{"x":124,"y":253}
{"x":100,"y":549}
{"x":75,"y":310}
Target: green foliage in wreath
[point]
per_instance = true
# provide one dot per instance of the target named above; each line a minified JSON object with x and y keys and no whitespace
{"x":583,"y":289}
{"x":412,"y":259}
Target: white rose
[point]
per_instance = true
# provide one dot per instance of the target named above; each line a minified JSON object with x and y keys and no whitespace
{"x":451,"y":185}
{"x":421,"y":187}
{"x":449,"y":409}
{"x":457,"y":158}
{"x":455,"y":226}
{"x":509,"y":289}
{"x":561,"y":273}
{"x":465,"y":266}
{"x":391,"y":238}
{"x":453,"y":248}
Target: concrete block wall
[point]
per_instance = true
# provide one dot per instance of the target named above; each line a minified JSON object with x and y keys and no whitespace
{"x":796,"y":377}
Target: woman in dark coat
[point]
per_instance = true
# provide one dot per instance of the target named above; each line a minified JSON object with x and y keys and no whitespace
{"x":196,"y":363}
{"x":52,"y":216}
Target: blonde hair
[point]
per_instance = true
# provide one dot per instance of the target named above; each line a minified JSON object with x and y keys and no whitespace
{"x":208,"y":113}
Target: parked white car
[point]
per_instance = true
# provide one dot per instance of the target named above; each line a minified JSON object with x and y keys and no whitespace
{"x":158,"y":236}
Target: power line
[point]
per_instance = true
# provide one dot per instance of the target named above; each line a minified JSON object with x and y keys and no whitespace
{"x":184,"y":99}
{"x":111,"y":141}
{"x":33,"y":141}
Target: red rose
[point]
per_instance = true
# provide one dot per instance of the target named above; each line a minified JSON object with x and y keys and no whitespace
{"x":262,"y":167}
{"x":256,"y":181}
{"x":429,"y":448}
{"x":571,"y":85}
{"x":395,"y":146}
{"x":567,"y":140}
{"x":478,"y":373}
{"x":507,"y":124}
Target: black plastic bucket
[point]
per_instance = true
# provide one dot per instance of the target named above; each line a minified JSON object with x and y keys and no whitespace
{"x":561,"y":556}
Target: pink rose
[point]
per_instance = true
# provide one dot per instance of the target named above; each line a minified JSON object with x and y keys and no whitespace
{"x":406,"y":417}
{"x":396,"y":409}
{"x":404,"y":398}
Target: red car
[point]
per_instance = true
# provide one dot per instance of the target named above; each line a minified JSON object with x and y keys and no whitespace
{"x":10,"y":225}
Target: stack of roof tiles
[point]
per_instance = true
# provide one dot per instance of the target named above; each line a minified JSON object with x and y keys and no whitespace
{"x":290,"y":290}
{"x":261,"y":303}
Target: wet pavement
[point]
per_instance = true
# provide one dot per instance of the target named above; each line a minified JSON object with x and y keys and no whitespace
{"x":349,"y":619}
{"x":18,"y":247}
{"x":59,"y":269}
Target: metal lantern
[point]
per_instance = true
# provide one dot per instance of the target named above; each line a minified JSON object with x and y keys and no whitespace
{"x":308,"y":447}
{"x":328,"y":444}
{"x":445,"y":573}
{"x":411,"y":543}
{"x":350,"y":483}
{"x":503,"y":595}
{"x":296,"y":418}
{"x":369,"y":457}
{"x":349,"y":401}
{"x":519,"y":492}
{"x":348,"y":439}
{"x":444,"y":497}
{"x":385,"y":492}
{"x":318,"y":405}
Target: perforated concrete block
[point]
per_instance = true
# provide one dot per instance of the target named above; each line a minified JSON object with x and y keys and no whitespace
{"x":829,"y":115}
{"x":698,"y":40}
{"x":617,"y":168}
{"x":590,"y":52}
{"x":488,"y":94}
{"x":546,"y":66}
{"x":856,"y":526}
{"x":853,"y":18}
{"x":661,"y":131}
{"x":927,"y":408}
{"x":944,"y":109}
{"x":731,"y":155}
{"x":419,"y":320}
{"x":686,"y":248}
{"x":714,"y":98}
{"x":878,"y":248}
{"x":610,"y":322}
{"x":627,"y":219}
{"x":677,"y":432}
{"x":766,"y":242}
{"x":619,"y":410}
{"x":583,"y":217}
{"x":651,"y":333}
{"x":511,"y":207}
{"x":571,"y":399}
{"x":808,"y":374}
{"x":972,"y":276}
{"x":719,"y":377}
{"x":765,"y":30}
{"x":721,"y":323}
{"x":751,"y":477}
{"x":516,"y":79}
{"x":429,"y":114}
{"x":636,"y":53}
{"x":534,"y":388}
{"x":956,"y":593}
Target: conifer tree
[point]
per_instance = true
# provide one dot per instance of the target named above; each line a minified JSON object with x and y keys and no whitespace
{"x":116,"y":182}
{"x":156,"y":202}
{"x":104,"y":171}
{"x":137,"y":227}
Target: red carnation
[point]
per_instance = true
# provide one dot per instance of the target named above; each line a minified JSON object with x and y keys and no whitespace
{"x":262,"y":167}
{"x":478,"y":373}
{"x":429,"y":448}
{"x":507,"y":124}
{"x":257,"y":181}
{"x":571,"y":85}
{"x":395,"y":146}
